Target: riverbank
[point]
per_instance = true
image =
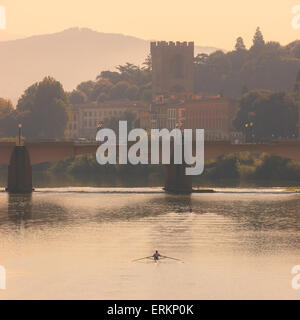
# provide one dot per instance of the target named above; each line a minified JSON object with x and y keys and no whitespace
{"x":237,"y":170}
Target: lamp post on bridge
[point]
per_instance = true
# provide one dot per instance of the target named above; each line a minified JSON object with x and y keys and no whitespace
{"x":246,"y":131}
{"x":99,"y":126}
{"x":251,"y":124}
{"x":20,"y":133}
{"x":179,"y":125}
{"x":249,"y":131}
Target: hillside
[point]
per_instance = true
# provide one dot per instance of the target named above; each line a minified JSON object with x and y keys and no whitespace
{"x":71,"y":56}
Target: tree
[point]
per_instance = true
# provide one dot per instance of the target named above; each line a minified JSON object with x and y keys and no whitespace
{"x":269,"y":66}
{"x":147,"y":64}
{"x":87,"y":88}
{"x":102,"y":86}
{"x":240,"y":44}
{"x":226,"y":167}
{"x":130,"y":81}
{"x":111,"y":76}
{"x":132,"y":92}
{"x":297,"y":84}
{"x":5,"y":106}
{"x":271,"y":115}
{"x":77,"y":97}
{"x":119,"y":90}
{"x":8,"y":119}
{"x":43,"y":110}
{"x":276,"y":168}
{"x":258,"y":39}
{"x":201,"y":58}
{"x":102,"y":97}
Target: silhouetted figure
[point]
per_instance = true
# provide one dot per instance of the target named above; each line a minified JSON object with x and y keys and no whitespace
{"x":156,"y":255}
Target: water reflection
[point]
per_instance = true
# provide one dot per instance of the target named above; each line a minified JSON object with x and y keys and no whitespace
{"x":19,"y":210}
{"x":256,"y":212}
{"x":23,"y":212}
{"x":57,"y":242}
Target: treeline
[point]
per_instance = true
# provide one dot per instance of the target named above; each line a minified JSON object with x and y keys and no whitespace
{"x":128,"y":82}
{"x":252,"y":167}
{"x":265,"y":65}
{"x":248,"y":167}
{"x":264,"y":115}
{"x":43,"y":110}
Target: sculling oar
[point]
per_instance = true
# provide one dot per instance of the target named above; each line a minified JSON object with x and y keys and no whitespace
{"x":171,"y":258}
{"x":142,"y":258}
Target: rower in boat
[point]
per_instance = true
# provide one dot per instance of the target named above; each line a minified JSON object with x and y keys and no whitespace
{"x":156,"y":256}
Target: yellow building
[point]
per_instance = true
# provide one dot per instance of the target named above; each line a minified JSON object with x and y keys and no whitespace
{"x":85,"y":118}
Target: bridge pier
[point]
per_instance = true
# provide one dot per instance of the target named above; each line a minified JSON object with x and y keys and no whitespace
{"x":19,"y":171}
{"x":176,"y":181}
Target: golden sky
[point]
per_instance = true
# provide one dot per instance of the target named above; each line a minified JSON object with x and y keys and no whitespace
{"x":209,"y":23}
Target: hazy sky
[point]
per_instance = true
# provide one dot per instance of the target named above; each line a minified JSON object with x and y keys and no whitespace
{"x":213,"y":23}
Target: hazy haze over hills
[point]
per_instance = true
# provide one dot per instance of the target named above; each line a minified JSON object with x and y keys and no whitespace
{"x":71,"y":56}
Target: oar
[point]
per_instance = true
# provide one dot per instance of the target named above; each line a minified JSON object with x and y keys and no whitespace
{"x":171,"y":258}
{"x":142,"y":259}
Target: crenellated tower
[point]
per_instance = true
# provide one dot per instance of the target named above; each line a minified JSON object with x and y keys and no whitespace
{"x":173,"y":67}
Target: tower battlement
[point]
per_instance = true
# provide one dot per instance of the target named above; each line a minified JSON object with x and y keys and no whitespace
{"x":172,"y":67}
{"x":171,"y":44}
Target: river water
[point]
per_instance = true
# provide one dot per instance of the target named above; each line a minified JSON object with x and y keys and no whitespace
{"x":79,"y":243}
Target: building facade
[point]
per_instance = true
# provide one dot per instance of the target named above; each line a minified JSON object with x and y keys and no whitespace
{"x":85,"y":118}
{"x":213,"y":114}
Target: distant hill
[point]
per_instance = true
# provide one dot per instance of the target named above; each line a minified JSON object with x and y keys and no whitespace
{"x":71,"y":56}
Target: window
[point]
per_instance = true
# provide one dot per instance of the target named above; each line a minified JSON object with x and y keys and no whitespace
{"x":177,"y":66}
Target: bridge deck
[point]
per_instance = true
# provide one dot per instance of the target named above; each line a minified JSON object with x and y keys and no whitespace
{"x":48,"y":151}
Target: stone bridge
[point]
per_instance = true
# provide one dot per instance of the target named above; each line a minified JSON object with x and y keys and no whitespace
{"x":21,"y":158}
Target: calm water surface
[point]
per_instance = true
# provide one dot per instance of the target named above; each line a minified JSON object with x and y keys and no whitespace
{"x":66,"y":243}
